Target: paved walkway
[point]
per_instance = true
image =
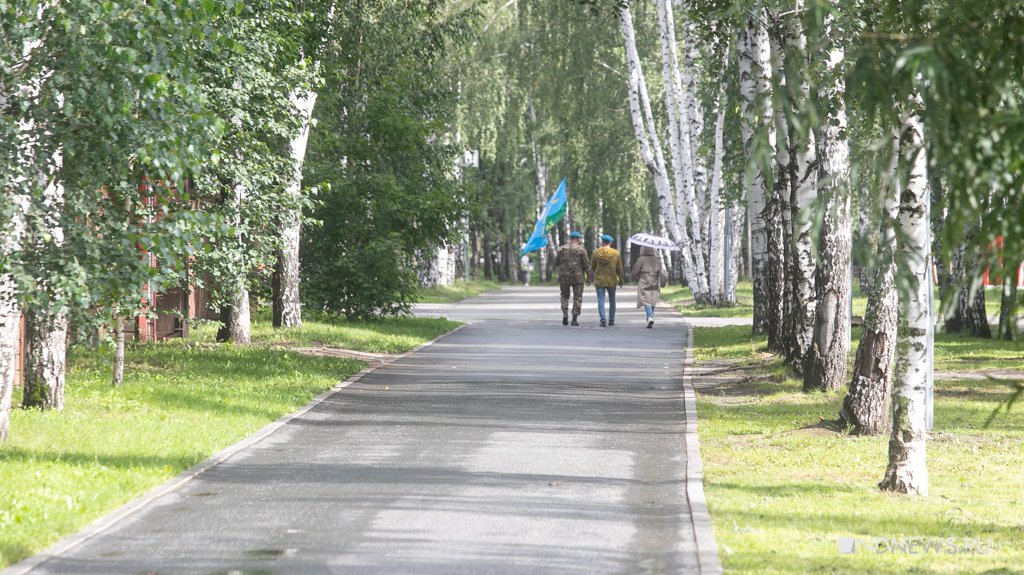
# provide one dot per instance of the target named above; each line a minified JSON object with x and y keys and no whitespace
{"x":514,"y":445}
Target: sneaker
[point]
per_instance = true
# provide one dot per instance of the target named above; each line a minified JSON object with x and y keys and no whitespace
{"x":650,"y":323}
{"x":611,"y":323}
{"x":603,"y":323}
{"x":574,"y":322}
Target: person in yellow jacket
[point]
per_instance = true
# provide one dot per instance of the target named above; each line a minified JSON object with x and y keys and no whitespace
{"x":606,"y":269}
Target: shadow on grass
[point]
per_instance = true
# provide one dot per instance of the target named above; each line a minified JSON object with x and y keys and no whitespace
{"x":122,"y":461}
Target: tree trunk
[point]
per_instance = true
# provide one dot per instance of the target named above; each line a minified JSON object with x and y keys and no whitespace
{"x":907,"y":471}
{"x":970,"y":311}
{"x":646,"y":134}
{"x":10,"y":333}
{"x":755,"y":110}
{"x":236,"y":325}
{"x":287,"y":308}
{"x":117,"y":378}
{"x":1008,"y":305}
{"x":866,"y":406}
{"x":799,"y":171}
{"x":825,"y":364}
{"x":46,"y":335}
{"x":716,"y":219}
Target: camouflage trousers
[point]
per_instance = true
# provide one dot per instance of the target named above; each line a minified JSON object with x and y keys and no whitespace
{"x":577,"y":297}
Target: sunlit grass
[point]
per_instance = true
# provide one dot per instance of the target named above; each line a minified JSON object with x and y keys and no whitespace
{"x":385,"y":335}
{"x":460,"y":290}
{"x":782,"y":489}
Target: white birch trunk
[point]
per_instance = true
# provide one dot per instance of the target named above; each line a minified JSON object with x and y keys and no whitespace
{"x":694,"y":114}
{"x":753,"y":87}
{"x":825,"y":364}
{"x":47,"y":322}
{"x":866,"y":406}
{"x":117,"y":376}
{"x":733,"y":253}
{"x":650,"y":147}
{"x":683,"y":150}
{"x":907,"y":471}
{"x":541,"y":173}
{"x":287,"y":307}
{"x":777,"y":213}
{"x":802,"y":194}
{"x":10,"y":333}
{"x":716,"y":219}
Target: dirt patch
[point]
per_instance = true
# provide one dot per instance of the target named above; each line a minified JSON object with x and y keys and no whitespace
{"x":824,"y":428}
{"x":373,"y":359}
{"x":981,"y":375}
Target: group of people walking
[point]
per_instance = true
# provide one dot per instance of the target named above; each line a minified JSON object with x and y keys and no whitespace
{"x":604,"y":269}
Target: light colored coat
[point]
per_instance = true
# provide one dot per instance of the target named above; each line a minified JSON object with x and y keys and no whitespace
{"x":647,"y":273}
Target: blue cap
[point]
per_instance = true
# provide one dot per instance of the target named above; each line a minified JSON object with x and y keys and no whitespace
{"x":607,"y":238}
{"x":575,"y":235}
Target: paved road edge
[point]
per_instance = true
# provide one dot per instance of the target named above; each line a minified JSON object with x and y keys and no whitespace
{"x":107,"y":521}
{"x":707,"y":548}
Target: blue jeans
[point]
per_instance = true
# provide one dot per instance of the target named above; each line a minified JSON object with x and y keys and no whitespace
{"x":649,"y":309}
{"x":611,"y":302}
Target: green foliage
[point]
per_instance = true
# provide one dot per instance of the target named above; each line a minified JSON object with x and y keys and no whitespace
{"x":248,"y":88}
{"x":544,"y":87}
{"x":382,"y":150}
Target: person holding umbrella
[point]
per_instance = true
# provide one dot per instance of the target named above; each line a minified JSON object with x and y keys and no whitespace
{"x":606,"y":269}
{"x":647,"y":272}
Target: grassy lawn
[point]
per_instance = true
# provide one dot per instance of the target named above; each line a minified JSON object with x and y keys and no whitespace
{"x":682,"y":298}
{"x":783,"y":489}
{"x":183,"y":400}
{"x":453,"y":293}
{"x":385,"y":335}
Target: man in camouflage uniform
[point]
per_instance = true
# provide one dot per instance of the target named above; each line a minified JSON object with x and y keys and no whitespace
{"x":572,"y":263}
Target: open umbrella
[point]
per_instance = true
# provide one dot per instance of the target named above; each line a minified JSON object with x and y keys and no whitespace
{"x":653,"y":241}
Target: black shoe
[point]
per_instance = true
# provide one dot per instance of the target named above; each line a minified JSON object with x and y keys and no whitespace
{"x":603,"y":324}
{"x":650,"y":323}
{"x":574,"y":322}
{"x":565,"y":319}
{"x":611,"y":323}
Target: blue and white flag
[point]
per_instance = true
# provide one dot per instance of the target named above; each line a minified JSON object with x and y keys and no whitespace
{"x":553,"y":212}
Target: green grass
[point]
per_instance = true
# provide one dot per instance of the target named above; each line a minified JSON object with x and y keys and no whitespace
{"x":182,"y":401}
{"x":453,"y":293}
{"x":782,"y":489}
{"x":682,"y":298}
{"x":385,"y":335}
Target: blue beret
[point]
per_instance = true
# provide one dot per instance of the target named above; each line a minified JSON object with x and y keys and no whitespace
{"x":607,"y":238}
{"x":575,"y":235}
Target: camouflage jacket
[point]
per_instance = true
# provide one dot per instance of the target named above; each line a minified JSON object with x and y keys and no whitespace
{"x":572,"y":263}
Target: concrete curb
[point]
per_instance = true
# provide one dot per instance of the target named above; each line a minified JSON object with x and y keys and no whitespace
{"x":107,"y":521}
{"x":707,"y":548}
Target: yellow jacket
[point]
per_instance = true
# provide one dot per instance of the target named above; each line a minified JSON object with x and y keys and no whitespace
{"x":606,"y":265}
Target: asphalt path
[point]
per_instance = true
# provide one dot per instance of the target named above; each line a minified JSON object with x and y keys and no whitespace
{"x":512,"y":446}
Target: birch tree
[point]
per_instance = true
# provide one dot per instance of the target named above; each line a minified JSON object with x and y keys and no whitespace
{"x":46,"y":329}
{"x":866,"y":406}
{"x":646,"y":133}
{"x":753,"y":52}
{"x":825,"y":363}
{"x":797,"y":160}
{"x":907,"y":471}
{"x":286,"y":304}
